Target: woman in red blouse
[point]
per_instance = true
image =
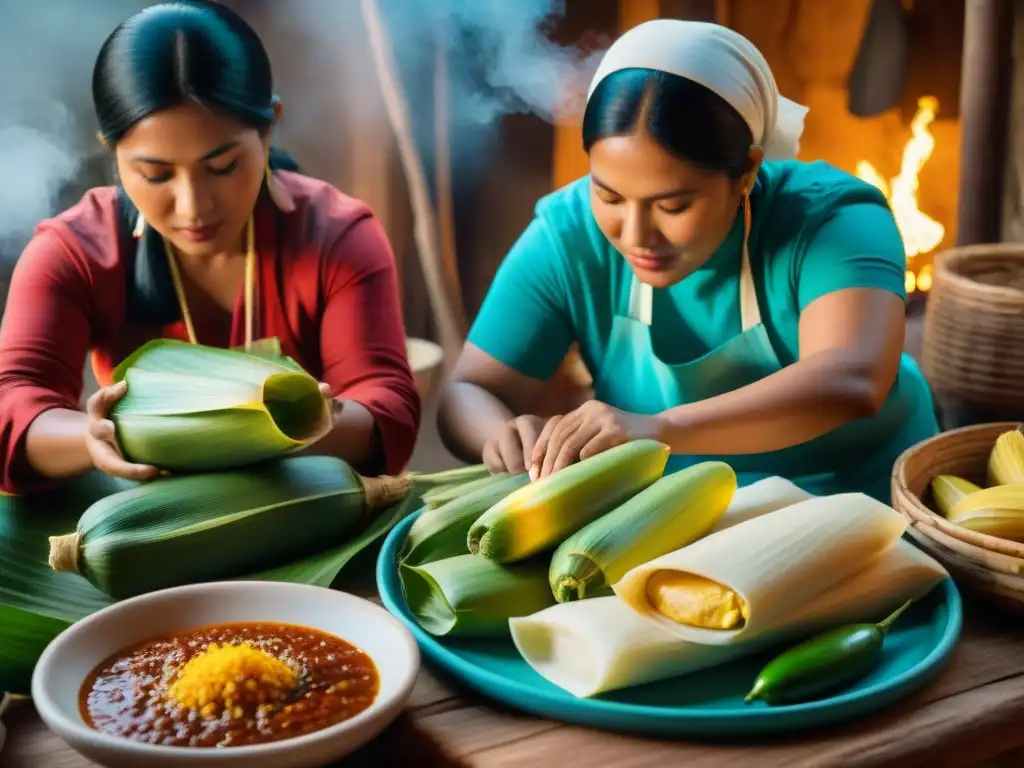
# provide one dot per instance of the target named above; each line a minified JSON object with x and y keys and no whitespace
{"x":207,"y":239}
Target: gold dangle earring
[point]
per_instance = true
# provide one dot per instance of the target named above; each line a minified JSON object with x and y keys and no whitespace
{"x":746,"y":214}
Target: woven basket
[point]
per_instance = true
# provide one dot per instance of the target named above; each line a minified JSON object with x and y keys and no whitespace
{"x":984,"y":565}
{"x":973,"y":347}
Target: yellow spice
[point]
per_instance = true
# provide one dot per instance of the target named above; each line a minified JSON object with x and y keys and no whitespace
{"x":227,"y":678}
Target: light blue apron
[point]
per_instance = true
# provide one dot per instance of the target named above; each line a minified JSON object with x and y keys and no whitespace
{"x":857,"y":456}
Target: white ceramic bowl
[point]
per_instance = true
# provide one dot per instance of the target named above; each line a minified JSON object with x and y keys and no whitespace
{"x":71,"y":656}
{"x":425,"y":360}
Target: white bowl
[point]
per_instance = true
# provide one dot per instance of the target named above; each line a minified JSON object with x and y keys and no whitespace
{"x":74,"y":653}
{"x":425,"y":360}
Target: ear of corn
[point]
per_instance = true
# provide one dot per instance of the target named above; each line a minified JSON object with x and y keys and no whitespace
{"x":675,"y":511}
{"x":1006,"y":461}
{"x":543,"y":513}
{"x":470,"y":596}
{"x":948,"y":490}
{"x":997,"y":511}
{"x":191,"y":528}
{"x":193,"y":408}
{"x":441,"y":533}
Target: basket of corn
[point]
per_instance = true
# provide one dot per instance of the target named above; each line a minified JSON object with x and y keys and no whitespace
{"x":962,"y":493}
{"x":973,"y":348}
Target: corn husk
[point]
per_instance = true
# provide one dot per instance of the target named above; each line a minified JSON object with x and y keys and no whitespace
{"x":774,"y":563}
{"x":193,"y":408}
{"x":674,"y":511}
{"x":439,"y":497}
{"x":471,"y":596}
{"x":948,"y":490}
{"x":1006,"y":461}
{"x":442,"y":532}
{"x":205,"y":527}
{"x":542,"y":514}
{"x":996,"y":511}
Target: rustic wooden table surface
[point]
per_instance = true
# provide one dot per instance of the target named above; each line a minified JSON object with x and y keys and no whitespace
{"x":972,"y":714}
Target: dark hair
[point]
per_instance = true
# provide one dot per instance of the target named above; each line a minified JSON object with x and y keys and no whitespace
{"x":686,"y":118}
{"x":159,"y":58}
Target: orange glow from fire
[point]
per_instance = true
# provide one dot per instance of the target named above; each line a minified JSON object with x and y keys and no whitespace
{"x":921,"y":233}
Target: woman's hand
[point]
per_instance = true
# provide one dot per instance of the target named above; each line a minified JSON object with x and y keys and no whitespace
{"x":592,"y":428}
{"x":336,"y":405}
{"x":511,"y":448}
{"x":100,"y":438}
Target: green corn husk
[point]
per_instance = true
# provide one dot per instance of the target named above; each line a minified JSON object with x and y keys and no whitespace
{"x":191,"y":408}
{"x":671,"y":513}
{"x":447,"y":479}
{"x":192,"y":528}
{"x":37,"y":603}
{"x":441,"y":532}
{"x":471,"y":596}
{"x":544,"y":513}
{"x":438,"y":497}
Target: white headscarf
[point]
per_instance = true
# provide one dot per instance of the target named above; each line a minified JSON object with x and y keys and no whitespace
{"x":724,"y":62}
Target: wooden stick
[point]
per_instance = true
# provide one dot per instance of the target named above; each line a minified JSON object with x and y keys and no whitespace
{"x":443,"y":170}
{"x":450,"y":327}
{"x":985,"y":77}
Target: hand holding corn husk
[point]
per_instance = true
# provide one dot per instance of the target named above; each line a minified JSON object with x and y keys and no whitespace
{"x":591,"y":429}
{"x":190,"y":407}
{"x":101,"y":438}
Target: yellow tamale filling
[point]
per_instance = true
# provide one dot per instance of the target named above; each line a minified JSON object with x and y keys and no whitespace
{"x":695,"y":601}
{"x":232,"y":678}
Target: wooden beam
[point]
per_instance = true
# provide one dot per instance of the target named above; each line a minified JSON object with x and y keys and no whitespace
{"x":984,"y":101}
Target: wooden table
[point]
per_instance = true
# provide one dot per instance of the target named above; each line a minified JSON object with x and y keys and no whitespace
{"x":972,"y":714}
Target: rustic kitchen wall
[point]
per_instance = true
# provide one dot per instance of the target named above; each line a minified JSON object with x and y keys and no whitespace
{"x":812,"y":46}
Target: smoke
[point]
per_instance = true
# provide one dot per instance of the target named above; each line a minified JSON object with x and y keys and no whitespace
{"x":47,"y":128}
{"x":499,"y":57}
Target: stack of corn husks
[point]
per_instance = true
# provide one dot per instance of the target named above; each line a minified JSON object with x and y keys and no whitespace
{"x":503,"y":547}
{"x":241,"y":500}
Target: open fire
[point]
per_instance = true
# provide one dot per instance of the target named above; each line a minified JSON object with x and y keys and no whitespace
{"x":921,"y":233}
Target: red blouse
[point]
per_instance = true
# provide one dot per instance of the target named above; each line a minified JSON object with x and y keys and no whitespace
{"x":326,"y":287}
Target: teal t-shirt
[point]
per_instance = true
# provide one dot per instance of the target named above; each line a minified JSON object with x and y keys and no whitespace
{"x":815,"y":230}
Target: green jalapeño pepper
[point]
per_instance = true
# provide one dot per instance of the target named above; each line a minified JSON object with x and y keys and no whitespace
{"x":825,"y":663}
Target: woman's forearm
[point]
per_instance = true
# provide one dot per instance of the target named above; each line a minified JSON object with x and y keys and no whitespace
{"x":797,"y":404}
{"x":468,"y":415}
{"x":353,"y":439}
{"x":55,"y":444}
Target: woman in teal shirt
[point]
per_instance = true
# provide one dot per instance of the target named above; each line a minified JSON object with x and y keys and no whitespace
{"x":729,"y":300}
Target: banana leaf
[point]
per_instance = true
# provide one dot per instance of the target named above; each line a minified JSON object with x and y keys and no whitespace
{"x":192,"y":408}
{"x":37,"y":603}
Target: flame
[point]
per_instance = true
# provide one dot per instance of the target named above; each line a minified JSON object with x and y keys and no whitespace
{"x":921,"y":233}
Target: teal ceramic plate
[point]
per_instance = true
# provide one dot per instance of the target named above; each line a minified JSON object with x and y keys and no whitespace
{"x":708,"y":703}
